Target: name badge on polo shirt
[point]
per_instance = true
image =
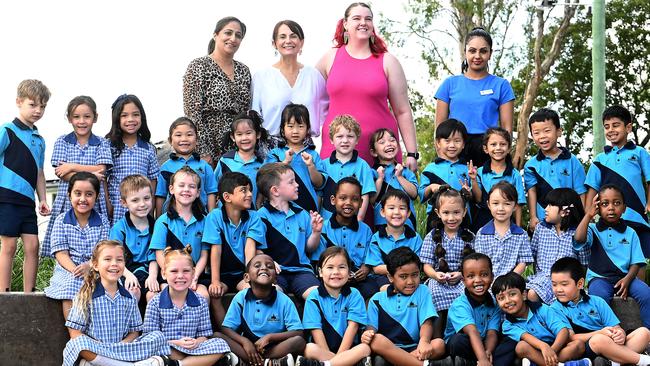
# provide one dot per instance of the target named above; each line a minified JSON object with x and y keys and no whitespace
{"x":487,"y":92}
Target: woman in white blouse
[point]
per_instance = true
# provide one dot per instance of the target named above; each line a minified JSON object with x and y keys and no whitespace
{"x":288,"y":81}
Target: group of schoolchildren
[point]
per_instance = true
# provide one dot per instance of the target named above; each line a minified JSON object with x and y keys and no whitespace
{"x":176,"y":238}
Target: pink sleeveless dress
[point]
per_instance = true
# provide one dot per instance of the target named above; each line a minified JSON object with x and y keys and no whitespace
{"x":358,"y":87}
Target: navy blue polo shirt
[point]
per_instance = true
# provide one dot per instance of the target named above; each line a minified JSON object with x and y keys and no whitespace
{"x":442,"y":171}
{"x":254,"y":318}
{"x":487,"y":178}
{"x":542,"y":322}
{"x":135,"y":242}
{"x":22,"y":155}
{"x":354,"y":238}
{"x":336,"y":170}
{"x":331,"y":315}
{"x":232,"y":162}
{"x":382,"y":243}
{"x":171,"y":230}
{"x":613,"y":250}
{"x":590,"y":313}
{"x":391,"y":182}
{"x":399,"y":317}
{"x":628,"y":168}
{"x":466,"y":311}
{"x":546,"y":174}
{"x":285,"y":236}
{"x":219,"y":230}
{"x":201,"y":167}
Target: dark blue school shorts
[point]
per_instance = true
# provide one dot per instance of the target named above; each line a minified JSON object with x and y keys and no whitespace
{"x":297,"y":282}
{"x":18,"y":219}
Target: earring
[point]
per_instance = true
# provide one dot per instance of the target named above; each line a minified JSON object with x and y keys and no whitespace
{"x":372,"y":39}
{"x":346,"y":37}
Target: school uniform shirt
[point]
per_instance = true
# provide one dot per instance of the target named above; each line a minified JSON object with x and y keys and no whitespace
{"x":355,"y":238}
{"x":443,"y":293}
{"x":336,"y":170}
{"x":254,"y":318}
{"x":382,"y":243}
{"x":137,"y":159}
{"x":285,"y":236}
{"x":307,"y":196}
{"x":442,"y":171}
{"x":391,"y":182}
{"x":106,"y":323}
{"x":171,"y":230}
{"x":232,"y":162}
{"x":192,"y":320}
{"x":614,"y":248}
{"x":542,"y":322}
{"x":589,"y":314}
{"x":67,"y":149}
{"x":79,"y":242}
{"x":200,"y":167}
{"x":219,"y":230}
{"x":135,"y":242}
{"x":399,"y":317}
{"x":331,"y":315}
{"x":545,"y":174}
{"x":465,"y":310}
{"x":507,"y":251}
{"x":487,"y":178}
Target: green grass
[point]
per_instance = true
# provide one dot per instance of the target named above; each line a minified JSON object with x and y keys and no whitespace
{"x":45,"y":268}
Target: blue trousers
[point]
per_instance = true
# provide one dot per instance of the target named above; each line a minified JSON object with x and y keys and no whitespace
{"x":504,"y":354}
{"x":638,"y":290}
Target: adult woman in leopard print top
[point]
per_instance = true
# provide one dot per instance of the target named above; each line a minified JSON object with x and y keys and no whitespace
{"x":216,"y":87}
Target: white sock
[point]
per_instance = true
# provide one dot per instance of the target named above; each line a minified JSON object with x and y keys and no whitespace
{"x":615,"y":363}
{"x":326,"y":363}
{"x":105,"y":361}
{"x":644,"y":360}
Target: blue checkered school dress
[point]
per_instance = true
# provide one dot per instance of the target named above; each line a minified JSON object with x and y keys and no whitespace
{"x":138,"y":159}
{"x":505,"y":252}
{"x":547,"y":247}
{"x":192,"y":320}
{"x":109,"y":321}
{"x":67,"y":150}
{"x":79,"y":242}
{"x":443,"y":294}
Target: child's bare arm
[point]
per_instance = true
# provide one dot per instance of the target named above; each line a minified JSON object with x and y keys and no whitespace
{"x":365,"y":202}
{"x":532,"y":208}
{"x":580,"y":235}
{"x":212,"y":201}
{"x":130,"y":337}
{"x":41,"y":192}
{"x":561,"y":340}
{"x":319,"y":338}
{"x":520,"y":268}
{"x":476,"y":342}
{"x":348,"y":337}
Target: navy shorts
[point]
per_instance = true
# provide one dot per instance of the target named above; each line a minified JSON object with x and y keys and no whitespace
{"x":367,"y":287}
{"x":589,"y":353}
{"x":205,"y":279}
{"x":17,"y":219}
{"x":231,"y":280}
{"x":297,"y":282}
{"x":380,"y":280}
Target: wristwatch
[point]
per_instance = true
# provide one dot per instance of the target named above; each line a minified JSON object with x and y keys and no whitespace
{"x":415,"y":155}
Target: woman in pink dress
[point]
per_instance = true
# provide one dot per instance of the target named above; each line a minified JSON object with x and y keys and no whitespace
{"x":362,"y":78}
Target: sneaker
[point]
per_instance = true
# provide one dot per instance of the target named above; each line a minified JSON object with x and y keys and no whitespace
{"x":284,"y":361}
{"x":582,"y":362}
{"x":463,"y":362}
{"x":526,"y":362}
{"x":168,"y":361}
{"x":151,"y":361}
{"x":447,"y":361}
{"x":302,"y":361}
{"x":231,"y":359}
{"x":601,"y":361}
{"x":365,"y":362}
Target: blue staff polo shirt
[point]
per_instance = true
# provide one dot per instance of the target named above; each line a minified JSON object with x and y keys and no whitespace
{"x":382,"y":243}
{"x":232,"y":162}
{"x":628,"y":168}
{"x":336,"y":170}
{"x":285,"y":236}
{"x":613,"y":250}
{"x":590,"y":313}
{"x":219,"y":230}
{"x":399,"y":317}
{"x":354,"y":238}
{"x":201,"y":167}
{"x":542,"y":322}
{"x":135,"y":242}
{"x":254,"y":318}
{"x":171,"y":230}
{"x":391,"y":182}
{"x":466,"y":311}
{"x":487,"y":178}
{"x":546,"y":174}
{"x":22,"y":155}
{"x":442,"y":171}
{"x":331,"y":315}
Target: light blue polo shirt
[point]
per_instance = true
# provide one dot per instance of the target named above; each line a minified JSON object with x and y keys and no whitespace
{"x":135,"y":242}
{"x":176,"y":162}
{"x":232,"y":162}
{"x":542,"y":322}
{"x":442,"y":171}
{"x":171,"y":230}
{"x":466,"y":311}
{"x":382,"y":243}
{"x":590,"y":313}
{"x":487,"y":178}
{"x":391,"y":182}
{"x":354,"y":238}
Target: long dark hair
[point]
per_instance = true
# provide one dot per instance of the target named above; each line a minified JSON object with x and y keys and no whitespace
{"x":567,"y":200}
{"x":115,"y":134}
{"x":467,"y":236}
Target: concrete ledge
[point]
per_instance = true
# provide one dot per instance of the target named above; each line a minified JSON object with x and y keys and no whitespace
{"x":628,"y":313}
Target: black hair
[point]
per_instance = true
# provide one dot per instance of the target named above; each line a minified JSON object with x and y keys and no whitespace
{"x":503,"y":133}
{"x":475,"y":257}
{"x":198,"y":210}
{"x":84,"y":177}
{"x":255,"y":121}
{"x":607,"y":186}
{"x":181,"y":121}
{"x":293,"y":26}
{"x":448,"y":127}
{"x":222,"y":23}
{"x":438,"y":226}
{"x":115,"y":134}
{"x":299,"y":113}
{"x":332,"y":252}
{"x":399,"y":257}
{"x":508,"y":191}
{"x":571,"y":266}
{"x":250,"y":262}
{"x":544,"y":114}
{"x":347,"y":180}
{"x":378,"y":135}
{"x":396,"y":193}
{"x":476,"y":32}
{"x":567,"y":199}
{"x":507,"y":281}
{"x":617,"y":111}
{"x":231,"y":180}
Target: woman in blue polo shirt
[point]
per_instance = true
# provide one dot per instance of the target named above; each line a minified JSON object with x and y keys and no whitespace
{"x":477,"y":98}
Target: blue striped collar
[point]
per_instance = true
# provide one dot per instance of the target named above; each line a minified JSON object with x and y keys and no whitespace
{"x":100,"y":291}
{"x":630,"y":145}
{"x":194,"y":155}
{"x":620,"y":226}
{"x":166,"y":299}
{"x":269,"y":300}
{"x":322,"y":291}
{"x":489,"y":229}
{"x":93,"y":140}
{"x":334,"y":159}
{"x":94,"y":220}
{"x":354,"y":226}
{"x":564,"y":154}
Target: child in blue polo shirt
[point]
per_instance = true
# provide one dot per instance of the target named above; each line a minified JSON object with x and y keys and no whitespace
{"x":334,"y":315}
{"x":474,"y":319}
{"x":182,"y":137}
{"x":290,"y":233}
{"x":552,"y":167}
{"x":616,"y":254}
{"x":262,"y":325}
{"x":344,"y":134}
{"x":134,"y":231}
{"x":628,"y":167}
{"x":542,"y":333}
{"x":400,"y":319}
{"x":22,"y":155}
{"x":344,"y":230}
{"x":592,"y":320}
{"x":233,"y":231}
{"x":395,"y":209}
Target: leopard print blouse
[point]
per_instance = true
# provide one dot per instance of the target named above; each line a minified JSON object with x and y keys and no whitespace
{"x":212,"y":100}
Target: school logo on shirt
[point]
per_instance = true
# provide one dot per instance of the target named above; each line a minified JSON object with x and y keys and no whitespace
{"x":198,"y":234}
{"x":412,"y":305}
{"x":300,"y":229}
{"x":632,"y":158}
{"x":624,"y":241}
{"x":273,"y":318}
{"x":565,"y":172}
{"x":345,"y":309}
{"x":201,"y":171}
{"x":593,"y":313}
{"x":359,"y":245}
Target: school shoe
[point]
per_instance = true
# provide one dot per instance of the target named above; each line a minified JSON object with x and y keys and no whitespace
{"x":601,"y":361}
{"x":302,"y":361}
{"x":151,"y":361}
{"x":83,"y":362}
{"x":527,"y":362}
{"x":582,"y":362}
{"x":365,"y":362}
{"x":447,"y":361}
{"x":459,"y":361}
{"x":284,"y":361}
